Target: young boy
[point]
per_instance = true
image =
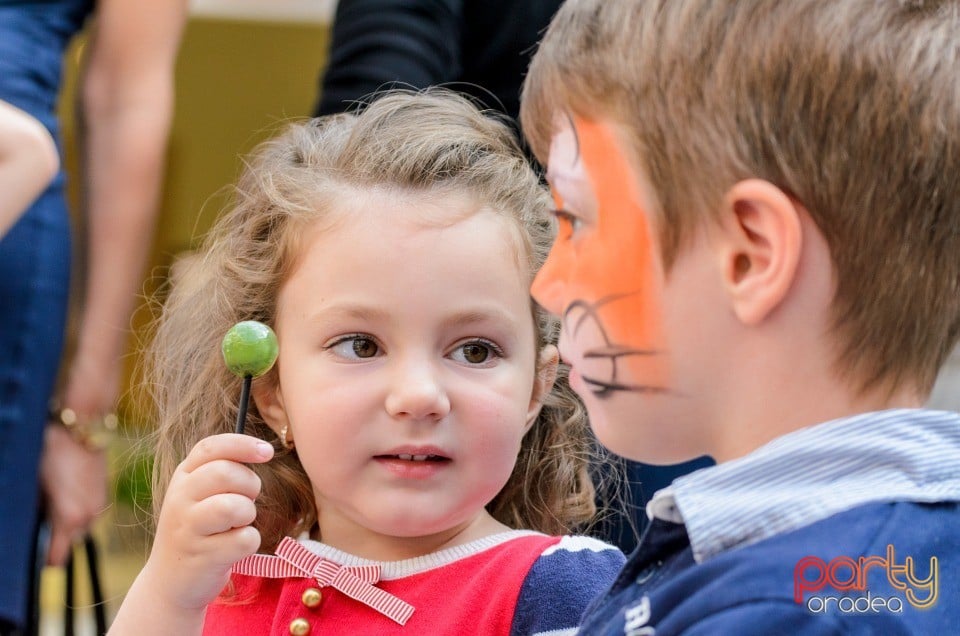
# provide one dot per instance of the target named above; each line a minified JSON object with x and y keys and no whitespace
{"x":758,"y":259}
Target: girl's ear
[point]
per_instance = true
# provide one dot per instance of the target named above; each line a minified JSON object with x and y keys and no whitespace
{"x":547,"y":363}
{"x":269,"y":400}
{"x":762,"y":246}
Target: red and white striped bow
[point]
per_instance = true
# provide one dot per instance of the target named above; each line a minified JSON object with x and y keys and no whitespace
{"x":293,"y":559}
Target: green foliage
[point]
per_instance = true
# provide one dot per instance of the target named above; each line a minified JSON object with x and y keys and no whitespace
{"x":132,"y":487}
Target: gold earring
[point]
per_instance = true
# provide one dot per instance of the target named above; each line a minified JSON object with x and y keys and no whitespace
{"x":288,"y":444}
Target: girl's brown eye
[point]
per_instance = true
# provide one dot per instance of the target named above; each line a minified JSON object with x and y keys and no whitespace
{"x":364,"y":347}
{"x":475,"y":353}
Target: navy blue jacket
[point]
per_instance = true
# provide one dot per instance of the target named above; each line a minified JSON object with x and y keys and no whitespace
{"x":753,"y":589}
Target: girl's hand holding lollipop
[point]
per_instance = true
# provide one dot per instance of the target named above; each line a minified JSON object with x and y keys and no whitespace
{"x":205,"y":523}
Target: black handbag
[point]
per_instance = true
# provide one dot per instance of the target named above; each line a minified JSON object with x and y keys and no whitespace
{"x":93,"y":570}
{"x":92,"y":560}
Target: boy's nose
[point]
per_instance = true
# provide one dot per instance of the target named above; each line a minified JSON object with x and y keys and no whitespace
{"x":417,"y":394}
{"x":548,"y":286}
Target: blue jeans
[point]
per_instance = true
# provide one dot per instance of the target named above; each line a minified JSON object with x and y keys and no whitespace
{"x":35,"y":266}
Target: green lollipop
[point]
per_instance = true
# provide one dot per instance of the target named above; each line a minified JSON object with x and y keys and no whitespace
{"x":249,"y":349}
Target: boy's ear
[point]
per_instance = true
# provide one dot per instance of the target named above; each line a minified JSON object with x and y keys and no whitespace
{"x":266,"y":395}
{"x":547,"y":363}
{"x":762,"y":243}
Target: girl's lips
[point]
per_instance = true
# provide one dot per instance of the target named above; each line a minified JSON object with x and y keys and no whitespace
{"x":417,"y":458}
{"x":416,"y":453}
{"x":409,"y":466}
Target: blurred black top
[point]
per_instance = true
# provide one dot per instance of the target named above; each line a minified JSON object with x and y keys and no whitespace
{"x":478,"y":47}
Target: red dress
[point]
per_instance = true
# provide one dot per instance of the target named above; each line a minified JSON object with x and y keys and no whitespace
{"x":473,"y":588}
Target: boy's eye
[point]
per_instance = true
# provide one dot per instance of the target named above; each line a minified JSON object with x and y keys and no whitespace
{"x":476,"y":352}
{"x":569,"y":224}
{"x":356,"y":347}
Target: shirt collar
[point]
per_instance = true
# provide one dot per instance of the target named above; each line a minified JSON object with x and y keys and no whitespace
{"x":814,"y":473}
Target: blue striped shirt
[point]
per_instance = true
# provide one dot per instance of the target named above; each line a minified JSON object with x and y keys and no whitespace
{"x":813,"y":473}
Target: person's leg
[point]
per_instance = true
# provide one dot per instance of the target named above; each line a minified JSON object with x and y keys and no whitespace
{"x":35,"y":261}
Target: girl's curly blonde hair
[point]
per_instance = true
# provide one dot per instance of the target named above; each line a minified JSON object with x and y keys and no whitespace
{"x":432,"y":142}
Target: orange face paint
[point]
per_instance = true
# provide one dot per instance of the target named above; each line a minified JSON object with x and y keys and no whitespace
{"x":604,"y":275}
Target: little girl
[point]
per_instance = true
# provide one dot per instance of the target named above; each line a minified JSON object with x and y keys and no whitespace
{"x":426,"y":456}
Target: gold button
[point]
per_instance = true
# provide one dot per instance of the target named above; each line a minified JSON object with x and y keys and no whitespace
{"x":299,"y":627}
{"x":311,"y":597}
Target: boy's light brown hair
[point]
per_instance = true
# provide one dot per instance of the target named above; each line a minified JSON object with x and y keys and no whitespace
{"x":851,"y":107}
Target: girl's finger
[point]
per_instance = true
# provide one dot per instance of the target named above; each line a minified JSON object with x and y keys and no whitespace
{"x":238,"y":448}
{"x":221,"y":513}
{"x":221,"y":476}
{"x":230,"y":546}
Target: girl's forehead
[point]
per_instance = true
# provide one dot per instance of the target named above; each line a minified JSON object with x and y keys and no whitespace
{"x":404,"y":216}
{"x":381,"y":258}
{"x":409,"y":211}
{"x":433,"y":206}
{"x":397,"y":218}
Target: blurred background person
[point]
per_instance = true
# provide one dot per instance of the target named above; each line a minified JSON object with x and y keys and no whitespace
{"x":477,"y":47}
{"x":124,"y":113}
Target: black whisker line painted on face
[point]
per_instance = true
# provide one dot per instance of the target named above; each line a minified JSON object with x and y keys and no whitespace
{"x":603,"y":389}
{"x":610,"y":351}
{"x":589,"y":311}
{"x":614,"y":352}
{"x":592,"y":310}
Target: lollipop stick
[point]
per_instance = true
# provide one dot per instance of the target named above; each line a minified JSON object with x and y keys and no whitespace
{"x":244,"y":401}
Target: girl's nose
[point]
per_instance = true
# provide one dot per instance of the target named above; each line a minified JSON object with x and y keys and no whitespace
{"x":417,"y":393}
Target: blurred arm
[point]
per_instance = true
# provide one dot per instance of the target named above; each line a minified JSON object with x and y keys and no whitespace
{"x":126,"y":110}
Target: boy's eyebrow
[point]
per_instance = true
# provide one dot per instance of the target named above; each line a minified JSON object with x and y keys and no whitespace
{"x":549,"y":177}
{"x":556,"y":173}
{"x":551,"y":173}
{"x":553,"y":176}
